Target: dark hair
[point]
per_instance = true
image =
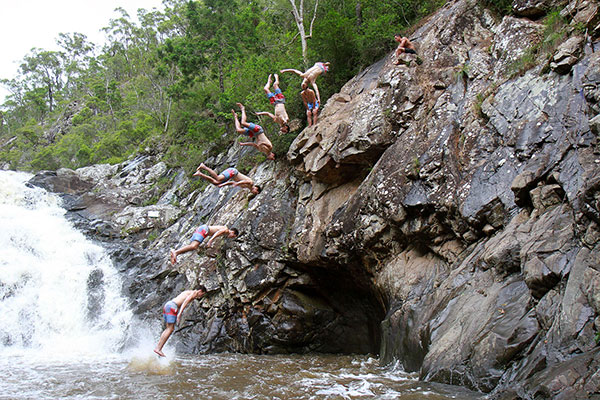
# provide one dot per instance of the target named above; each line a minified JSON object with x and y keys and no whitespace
{"x":234,"y":230}
{"x":201,"y":287}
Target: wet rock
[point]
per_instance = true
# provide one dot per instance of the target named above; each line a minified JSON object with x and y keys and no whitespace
{"x":95,"y":294}
{"x":62,"y":181}
{"x":448,"y":211}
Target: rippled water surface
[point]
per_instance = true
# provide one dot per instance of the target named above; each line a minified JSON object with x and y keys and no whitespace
{"x":66,"y":331}
{"x":221,"y":376}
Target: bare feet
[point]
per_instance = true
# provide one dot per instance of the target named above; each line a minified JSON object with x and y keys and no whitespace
{"x":198,"y":173}
{"x":240,"y":105}
{"x":160,"y":353}
{"x":173,"y":258}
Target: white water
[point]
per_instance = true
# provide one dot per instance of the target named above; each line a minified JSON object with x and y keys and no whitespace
{"x":61,"y":338}
{"x":45,"y":265}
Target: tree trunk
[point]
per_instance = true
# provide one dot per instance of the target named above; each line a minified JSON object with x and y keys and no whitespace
{"x":298,"y":13}
{"x":168,"y":115}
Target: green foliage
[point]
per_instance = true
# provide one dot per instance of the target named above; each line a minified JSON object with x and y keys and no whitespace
{"x":501,"y":7}
{"x":282,"y":142}
{"x":249,"y":161}
{"x":416,"y":165}
{"x":169,"y":82}
{"x":463,"y":72}
{"x":555,"y":32}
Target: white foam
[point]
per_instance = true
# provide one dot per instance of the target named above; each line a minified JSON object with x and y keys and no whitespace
{"x":45,"y":265}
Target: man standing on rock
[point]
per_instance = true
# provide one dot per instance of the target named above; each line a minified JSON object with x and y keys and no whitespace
{"x":310,"y":103}
{"x":311,"y":75}
{"x":201,"y":233}
{"x":230,"y":176}
{"x":253,"y":131}
{"x":278,"y":100}
{"x":172,"y":312}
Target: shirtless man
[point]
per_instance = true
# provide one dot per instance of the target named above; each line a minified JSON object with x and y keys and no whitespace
{"x":278,"y":99}
{"x":172,"y":312}
{"x":230,"y":176}
{"x":310,"y":103}
{"x":311,"y":75}
{"x":404,"y":46}
{"x":253,"y":131}
{"x":201,"y":233}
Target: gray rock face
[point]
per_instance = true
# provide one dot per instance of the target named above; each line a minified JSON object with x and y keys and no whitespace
{"x":535,"y":8}
{"x":446,"y":215}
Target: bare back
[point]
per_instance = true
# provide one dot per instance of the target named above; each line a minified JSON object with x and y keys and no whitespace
{"x":182,"y":296}
{"x":263,"y":140}
{"x":308,"y":95}
{"x":212,"y":229}
{"x":241,"y":177}
{"x":281,"y":116}
{"x":313,"y":73}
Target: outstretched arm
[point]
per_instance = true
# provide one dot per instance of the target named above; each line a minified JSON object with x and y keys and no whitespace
{"x":317,"y":92}
{"x":218,"y":233}
{"x":299,"y":73}
{"x":226,"y":183}
{"x":267,"y":114}
{"x":183,"y":306}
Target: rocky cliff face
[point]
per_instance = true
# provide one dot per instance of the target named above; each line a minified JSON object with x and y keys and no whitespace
{"x":446,"y":215}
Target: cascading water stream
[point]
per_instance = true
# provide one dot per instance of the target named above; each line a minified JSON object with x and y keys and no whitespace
{"x":59,"y":292}
{"x":64,"y":325}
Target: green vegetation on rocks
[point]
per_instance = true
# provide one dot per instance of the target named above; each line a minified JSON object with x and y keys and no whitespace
{"x":167,"y":84}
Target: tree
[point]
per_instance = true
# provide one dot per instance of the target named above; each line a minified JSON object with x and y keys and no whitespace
{"x":45,"y":69}
{"x":298,"y":13}
{"x":75,"y":57}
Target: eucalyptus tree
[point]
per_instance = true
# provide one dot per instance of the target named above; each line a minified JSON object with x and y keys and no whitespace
{"x":298,"y":11}
{"x":77,"y":54}
{"x":44,"y":69}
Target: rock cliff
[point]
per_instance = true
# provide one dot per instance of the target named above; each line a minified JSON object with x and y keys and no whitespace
{"x":445,"y":214}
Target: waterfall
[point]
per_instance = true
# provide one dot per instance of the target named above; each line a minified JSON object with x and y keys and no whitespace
{"x":59,"y":292}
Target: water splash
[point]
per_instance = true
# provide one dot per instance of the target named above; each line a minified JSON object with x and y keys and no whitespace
{"x":152,"y":365}
{"x":59,"y":292}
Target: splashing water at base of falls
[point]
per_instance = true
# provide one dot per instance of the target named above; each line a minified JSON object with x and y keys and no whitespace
{"x":64,"y":323}
{"x":59,"y":292}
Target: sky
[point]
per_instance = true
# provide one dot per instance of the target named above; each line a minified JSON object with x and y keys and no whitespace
{"x":25,"y":24}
